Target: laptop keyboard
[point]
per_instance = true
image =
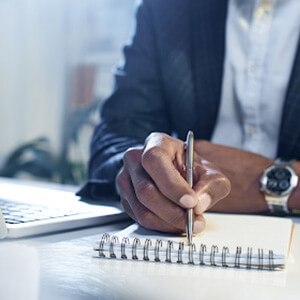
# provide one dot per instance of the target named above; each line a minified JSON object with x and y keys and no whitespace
{"x":18,"y":212}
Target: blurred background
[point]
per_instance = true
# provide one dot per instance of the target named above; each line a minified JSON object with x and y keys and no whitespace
{"x":56,"y":67}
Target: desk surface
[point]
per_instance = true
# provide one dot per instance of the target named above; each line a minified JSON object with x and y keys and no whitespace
{"x":60,"y":266}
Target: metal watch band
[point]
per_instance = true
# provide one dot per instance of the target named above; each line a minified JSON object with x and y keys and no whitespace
{"x":277,"y":205}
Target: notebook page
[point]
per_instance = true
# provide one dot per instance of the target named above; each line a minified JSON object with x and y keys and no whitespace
{"x":232,"y":231}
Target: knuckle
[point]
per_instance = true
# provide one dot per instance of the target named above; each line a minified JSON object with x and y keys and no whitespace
{"x":154,"y":136}
{"x":151,"y":136}
{"x":177,"y":218}
{"x":131,"y":155}
{"x":124,"y":203}
{"x":144,"y":217}
{"x":151,"y":155}
{"x":222,"y":187}
{"x":145,"y":190}
{"x":122,"y":179}
{"x":126,"y":206}
{"x":225,"y":185}
{"x":127,"y":209}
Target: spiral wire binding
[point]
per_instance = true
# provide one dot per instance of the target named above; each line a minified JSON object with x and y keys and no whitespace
{"x":192,"y":249}
{"x":249,"y":257}
{"x":201,"y":254}
{"x":169,"y":252}
{"x":136,"y":242}
{"x":271,"y":260}
{"x":225,"y":251}
{"x":213,"y":251}
{"x":114,"y":240}
{"x":260,"y":259}
{"x":237,"y":260}
{"x":148,"y":243}
{"x":105,"y":238}
{"x":180,"y":249}
{"x":158,"y":244}
{"x":125,"y":243}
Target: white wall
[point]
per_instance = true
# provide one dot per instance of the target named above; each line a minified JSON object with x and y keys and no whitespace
{"x":40,"y":43}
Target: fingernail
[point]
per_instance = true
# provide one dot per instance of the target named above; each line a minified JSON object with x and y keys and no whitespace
{"x":199,"y":226}
{"x":205,"y":201}
{"x":187,"y":201}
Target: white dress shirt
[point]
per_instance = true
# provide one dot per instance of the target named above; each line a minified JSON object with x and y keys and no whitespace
{"x":261,"y":43}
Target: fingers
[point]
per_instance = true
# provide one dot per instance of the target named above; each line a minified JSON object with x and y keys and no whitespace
{"x":199,"y":222}
{"x":161,"y":157}
{"x":143,"y":201}
{"x":210,"y":185}
{"x":148,"y":195}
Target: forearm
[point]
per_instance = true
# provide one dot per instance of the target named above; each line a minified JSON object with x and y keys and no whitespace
{"x":107,"y":150}
{"x":244,"y":170}
{"x":247,"y":199}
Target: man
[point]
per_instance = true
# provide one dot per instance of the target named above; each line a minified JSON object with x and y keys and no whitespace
{"x":229,"y":71}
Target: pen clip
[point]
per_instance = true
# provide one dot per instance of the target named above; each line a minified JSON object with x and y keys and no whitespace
{"x":189,"y":163}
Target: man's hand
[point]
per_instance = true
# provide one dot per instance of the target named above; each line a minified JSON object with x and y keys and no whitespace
{"x":244,"y":170}
{"x":154,"y":191}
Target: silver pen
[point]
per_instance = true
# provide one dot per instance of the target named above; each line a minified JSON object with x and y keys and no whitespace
{"x":189,"y":161}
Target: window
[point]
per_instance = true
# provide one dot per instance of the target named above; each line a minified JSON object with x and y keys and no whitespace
{"x":57,"y":58}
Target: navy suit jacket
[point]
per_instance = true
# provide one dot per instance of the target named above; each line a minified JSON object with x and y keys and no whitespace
{"x":171,"y":82}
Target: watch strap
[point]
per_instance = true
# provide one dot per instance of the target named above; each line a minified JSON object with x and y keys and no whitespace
{"x":277,"y":205}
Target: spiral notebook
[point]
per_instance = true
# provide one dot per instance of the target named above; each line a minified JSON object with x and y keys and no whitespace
{"x":240,"y":241}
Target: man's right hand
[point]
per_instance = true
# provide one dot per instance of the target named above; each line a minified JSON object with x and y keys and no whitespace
{"x":154,"y":191}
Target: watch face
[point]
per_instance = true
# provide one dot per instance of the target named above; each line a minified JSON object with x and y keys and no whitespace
{"x":279,"y":180}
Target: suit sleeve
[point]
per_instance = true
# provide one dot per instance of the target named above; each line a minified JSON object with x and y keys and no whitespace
{"x":136,"y":107}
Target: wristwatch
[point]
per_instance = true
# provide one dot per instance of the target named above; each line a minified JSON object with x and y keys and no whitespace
{"x":277,"y":183}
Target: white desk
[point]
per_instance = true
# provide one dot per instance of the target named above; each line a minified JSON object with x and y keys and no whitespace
{"x":60,"y":266}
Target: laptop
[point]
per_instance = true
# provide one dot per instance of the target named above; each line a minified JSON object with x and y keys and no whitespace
{"x":34,"y":208}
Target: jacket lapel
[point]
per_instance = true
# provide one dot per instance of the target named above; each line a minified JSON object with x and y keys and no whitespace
{"x":289,"y":139}
{"x":208,"y":46}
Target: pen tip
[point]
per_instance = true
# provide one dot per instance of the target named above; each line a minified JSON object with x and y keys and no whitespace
{"x":189,"y":239}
